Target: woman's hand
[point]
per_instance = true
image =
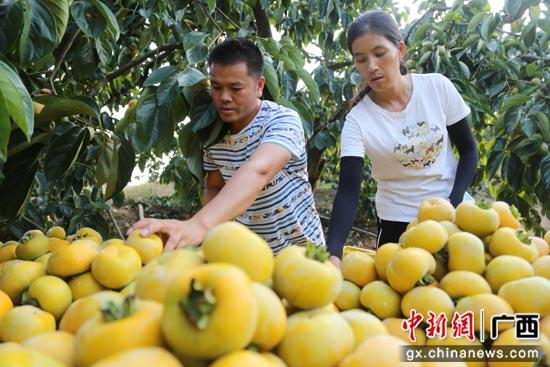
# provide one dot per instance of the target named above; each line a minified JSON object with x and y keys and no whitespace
{"x":335,"y":260}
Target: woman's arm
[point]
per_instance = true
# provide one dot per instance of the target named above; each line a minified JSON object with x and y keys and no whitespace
{"x":345,"y":203}
{"x":461,"y":136}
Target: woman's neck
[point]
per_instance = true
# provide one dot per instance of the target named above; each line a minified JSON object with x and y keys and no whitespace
{"x":396,"y":98}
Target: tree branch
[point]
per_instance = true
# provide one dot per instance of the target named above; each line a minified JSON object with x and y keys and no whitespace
{"x":115,"y":223}
{"x":126,"y":68}
{"x":142,"y":78}
{"x":339,"y":65}
{"x":262,"y":22}
{"x":61,"y":58}
{"x":228,"y":18}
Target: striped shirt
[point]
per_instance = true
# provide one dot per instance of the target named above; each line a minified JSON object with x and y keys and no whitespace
{"x":284,"y":211}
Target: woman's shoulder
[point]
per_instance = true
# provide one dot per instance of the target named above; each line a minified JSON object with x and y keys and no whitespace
{"x":431,"y":82}
{"x":430,"y":78}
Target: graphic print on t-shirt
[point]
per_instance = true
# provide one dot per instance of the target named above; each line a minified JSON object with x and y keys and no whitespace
{"x":419,"y":145}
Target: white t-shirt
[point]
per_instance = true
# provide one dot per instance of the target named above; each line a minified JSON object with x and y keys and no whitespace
{"x":410,"y":152}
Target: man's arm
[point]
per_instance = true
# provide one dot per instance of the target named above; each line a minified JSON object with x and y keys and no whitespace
{"x":214,"y":184}
{"x":232,"y":200}
{"x":241,"y":190}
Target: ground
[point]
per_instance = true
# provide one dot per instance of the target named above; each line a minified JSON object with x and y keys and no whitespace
{"x":361,"y":235}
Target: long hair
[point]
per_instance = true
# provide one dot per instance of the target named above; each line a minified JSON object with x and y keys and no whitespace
{"x":379,"y":22}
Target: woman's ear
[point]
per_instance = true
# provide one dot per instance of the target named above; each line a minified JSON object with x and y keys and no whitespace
{"x":402,"y":50}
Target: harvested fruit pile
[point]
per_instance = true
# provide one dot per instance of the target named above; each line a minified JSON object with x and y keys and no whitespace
{"x":81,"y":301}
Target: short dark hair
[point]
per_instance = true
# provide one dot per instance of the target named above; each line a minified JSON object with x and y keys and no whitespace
{"x":236,"y":50}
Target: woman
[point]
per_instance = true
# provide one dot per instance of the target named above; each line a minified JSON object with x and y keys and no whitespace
{"x":405,"y":124}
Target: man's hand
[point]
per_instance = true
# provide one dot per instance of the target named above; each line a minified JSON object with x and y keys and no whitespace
{"x":178,"y":234}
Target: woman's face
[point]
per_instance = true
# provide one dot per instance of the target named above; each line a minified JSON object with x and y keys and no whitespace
{"x":377,"y":60}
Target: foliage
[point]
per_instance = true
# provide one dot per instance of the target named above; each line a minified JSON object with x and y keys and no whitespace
{"x":67,"y":66}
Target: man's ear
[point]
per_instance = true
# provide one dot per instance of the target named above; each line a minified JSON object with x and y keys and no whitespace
{"x":260,"y":86}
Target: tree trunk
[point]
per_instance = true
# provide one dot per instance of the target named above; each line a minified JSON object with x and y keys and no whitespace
{"x":262,"y":22}
{"x":315,"y":163}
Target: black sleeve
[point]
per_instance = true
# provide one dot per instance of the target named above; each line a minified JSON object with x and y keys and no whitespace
{"x":461,"y":136}
{"x":345,"y":203}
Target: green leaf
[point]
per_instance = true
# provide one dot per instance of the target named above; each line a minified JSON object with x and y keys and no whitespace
{"x":307,"y":118}
{"x":513,"y":171}
{"x":545,"y":171}
{"x":112,"y":25}
{"x":271,"y":46}
{"x":104,"y":50}
{"x":217,"y":132}
{"x":56,"y":107}
{"x":486,"y":27}
{"x":271,"y":80}
{"x":84,"y":59}
{"x":158,"y":75}
{"x":202,"y":115}
{"x":211,"y":6}
{"x":421,"y":31}
{"x":17,"y":100}
{"x":527,"y":148}
{"x":180,"y":109}
{"x":532,"y":69}
{"x":475,"y":21}
{"x":188,"y":142}
{"x":5,"y":129}
{"x":544,"y":126}
{"x":107,"y":169}
{"x":153,"y":124}
{"x":511,"y":119}
{"x":425,"y":57}
{"x":19,"y":172}
{"x":195,"y":48}
{"x":202,"y":112}
{"x":11,"y":25}
{"x":323,"y":140}
{"x":496,"y":89}
{"x":494,"y":162}
{"x":45,"y":22}
{"x":193,"y":39}
{"x":512,"y":7}
{"x":529,"y":34}
{"x":88,"y":19}
{"x":514,"y":100}
{"x":310,"y":84}
{"x":544,"y":24}
{"x":190,"y":77}
{"x":196,"y":54}
{"x":168,"y":90}
{"x":194,"y":163}
{"x":93,"y":18}
{"x":65,"y":145}
{"x":464,"y":70}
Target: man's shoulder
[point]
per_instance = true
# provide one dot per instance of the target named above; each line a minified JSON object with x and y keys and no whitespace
{"x":274,"y":110}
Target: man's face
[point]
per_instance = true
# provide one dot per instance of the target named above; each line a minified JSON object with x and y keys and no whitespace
{"x":236,"y":93}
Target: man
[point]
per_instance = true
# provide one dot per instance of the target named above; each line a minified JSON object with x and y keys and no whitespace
{"x":257,"y":174}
